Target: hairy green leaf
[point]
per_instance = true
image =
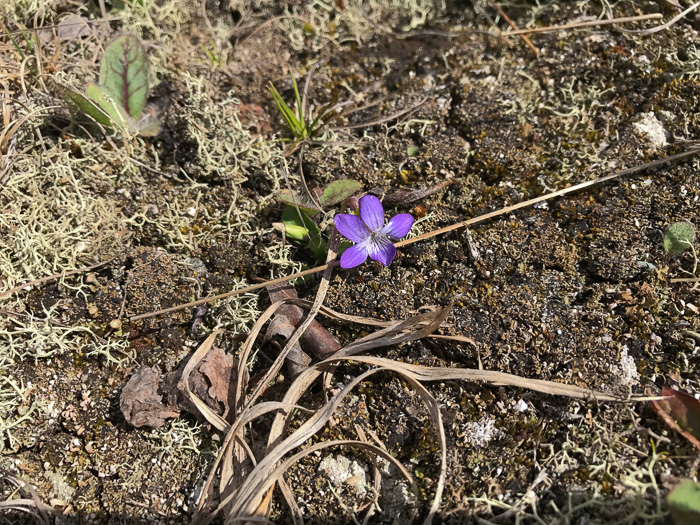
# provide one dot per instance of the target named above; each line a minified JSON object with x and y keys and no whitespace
{"x":80,"y":102}
{"x":679,"y":237}
{"x":294,"y":225}
{"x":108,"y":105}
{"x":684,"y":503}
{"x":124,"y":74}
{"x":304,"y":230}
{"x":339,"y":190}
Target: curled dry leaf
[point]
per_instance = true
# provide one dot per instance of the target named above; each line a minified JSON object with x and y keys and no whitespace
{"x":141,"y":400}
{"x":681,"y":412}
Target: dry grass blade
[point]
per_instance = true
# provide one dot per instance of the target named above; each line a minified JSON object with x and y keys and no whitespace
{"x":286,"y":491}
{"x":424,"y":373}
{"x":278,"y":472}
{"x":34,"y":506}
{"x":591,"y":23}
{"x":212,"y":417}
{"x":259,"y":481}
{"x":436,"y":417}
{"x":382,"y":120}
{"x":230,"y":457}
{"x":668,"y":24}
{"x":417,"y":327}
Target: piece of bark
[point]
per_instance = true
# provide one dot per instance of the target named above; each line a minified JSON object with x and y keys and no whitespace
{"x":141,"y":400}
{"x":316,"y":339}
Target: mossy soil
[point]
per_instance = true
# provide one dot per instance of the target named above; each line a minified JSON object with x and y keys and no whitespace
{"x":575,"y":290}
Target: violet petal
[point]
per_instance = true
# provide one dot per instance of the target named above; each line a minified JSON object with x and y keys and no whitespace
{"x":398,"y":226}
{"x":354,"y":256}
{"x":372,"y":212}
{"x":381,"y":249}
{"x":351,"y":226}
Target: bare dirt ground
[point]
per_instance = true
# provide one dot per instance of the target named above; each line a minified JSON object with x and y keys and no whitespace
{"x":575,"y":290}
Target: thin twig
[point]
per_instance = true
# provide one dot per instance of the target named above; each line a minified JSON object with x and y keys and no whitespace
{"x":515,"y":27}
{"x":493,"y":24}
{"x":589,"y":23}
{"x":667,"y":24}
{"x":463,"y":224}
{"x":685,"y":280}
{"x":383,"y":119}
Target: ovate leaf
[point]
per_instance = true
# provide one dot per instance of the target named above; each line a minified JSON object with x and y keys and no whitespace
{"x":681,"y":412}
{"x":108,"y":105}
{"x":679,"y":237}
{"x":299,"y":228}
{"x":83,"y":104}
{"x":124,"y":74}
{"x":339,"y":190}
{"x":684,"y":503}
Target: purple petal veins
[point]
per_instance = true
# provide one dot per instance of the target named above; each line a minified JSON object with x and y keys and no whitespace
{"x":380,"y":248}
{"x":354,"y":256}
{"x":372,"y":212}
{"x":398,"y":226}
{"x":351,"y":226}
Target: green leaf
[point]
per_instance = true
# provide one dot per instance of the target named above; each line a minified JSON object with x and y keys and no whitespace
{"x":679,"y":237}
{"x":124,"y":74}
{"x":412,"y":151}
{"x":304,"y":204}
{"x":339,"y":190}
{"x":108,"y":105}
{"x":294,"y":225}
{"x":80,"y":102}
{"x":684,"y":503}
{"x":304,"y":229}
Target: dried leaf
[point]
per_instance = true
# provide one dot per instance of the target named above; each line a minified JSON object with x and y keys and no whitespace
{"x":291,"y":198}
{"x":141,"y":401}
{"x":73,"y":27}
{"x":297,"y":360}
{"x":211,"y":380}
{"x":681,"y":412}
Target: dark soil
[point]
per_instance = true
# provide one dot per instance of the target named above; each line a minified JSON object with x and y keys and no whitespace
{"x":575,"y":290}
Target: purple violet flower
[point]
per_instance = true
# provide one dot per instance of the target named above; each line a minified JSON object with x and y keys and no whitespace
{"x":370,"y":233}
